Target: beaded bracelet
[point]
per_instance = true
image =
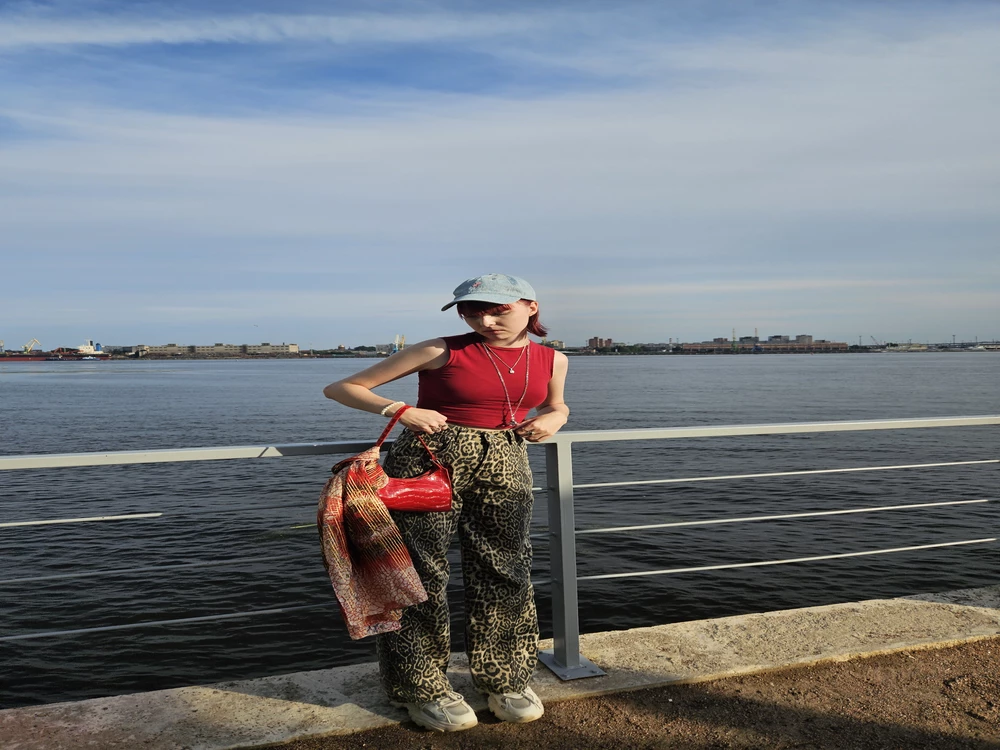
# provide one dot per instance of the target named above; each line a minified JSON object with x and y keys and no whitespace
{"x":389,"y":406}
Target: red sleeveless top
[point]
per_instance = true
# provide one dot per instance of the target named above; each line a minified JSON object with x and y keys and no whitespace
{"x":467,"y":388}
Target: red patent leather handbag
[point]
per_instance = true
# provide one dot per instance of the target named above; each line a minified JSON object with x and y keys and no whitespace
{"x":430,"y":491}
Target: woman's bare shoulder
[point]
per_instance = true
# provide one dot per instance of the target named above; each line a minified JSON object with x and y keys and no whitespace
{"x":427,"y":354}
{"x":428,"y":346}
{"x":424,"y":355}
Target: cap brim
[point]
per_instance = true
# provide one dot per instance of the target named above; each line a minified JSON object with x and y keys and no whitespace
{"x":498,"y":299}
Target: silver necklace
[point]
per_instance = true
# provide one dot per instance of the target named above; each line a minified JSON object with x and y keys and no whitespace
{"x":511,"y":411}
{"x":510,"y":368}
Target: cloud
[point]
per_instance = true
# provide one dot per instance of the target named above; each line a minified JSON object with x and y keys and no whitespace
{"x":258,"y":28}
{"x":825,"y":165}
{"x":725,"y":287}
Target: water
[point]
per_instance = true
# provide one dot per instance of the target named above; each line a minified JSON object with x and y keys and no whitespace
{"x":263,"y":509}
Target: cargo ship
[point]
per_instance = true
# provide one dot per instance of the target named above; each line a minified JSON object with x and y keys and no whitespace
{"x":88,"y":351}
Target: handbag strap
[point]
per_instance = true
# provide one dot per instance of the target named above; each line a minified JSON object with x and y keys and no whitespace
{"x":392,"y":423}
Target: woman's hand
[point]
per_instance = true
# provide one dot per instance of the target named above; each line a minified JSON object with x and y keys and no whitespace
{"x":541,"y":427}
{"x":553,"y":413}
{"x":423,"y":420}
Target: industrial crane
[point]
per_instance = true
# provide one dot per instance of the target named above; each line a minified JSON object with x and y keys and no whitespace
{"x":31,"y":345}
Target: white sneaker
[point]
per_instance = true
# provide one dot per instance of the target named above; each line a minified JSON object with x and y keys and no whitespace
{"x":448,"y":714}
{"x":519,"y":708}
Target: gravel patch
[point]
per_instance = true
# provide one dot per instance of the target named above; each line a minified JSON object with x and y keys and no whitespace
{"x":938,"y":699}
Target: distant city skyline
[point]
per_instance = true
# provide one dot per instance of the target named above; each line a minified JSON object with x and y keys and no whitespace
{"x":325,"y":174}
{"x":206,"y":344}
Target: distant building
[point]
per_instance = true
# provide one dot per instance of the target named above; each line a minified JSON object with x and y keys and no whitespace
{"x":599,"y":343}
{"x":554,"y":343}
{"x":223,"y":350}
{"x":774,"y":345}
{"x":169,"y":349}
{"x":266,"y":348}
{"x":124,"y":350}
{"x":215,"y":350}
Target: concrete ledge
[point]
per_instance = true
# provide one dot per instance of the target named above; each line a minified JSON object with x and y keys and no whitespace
{"x":348,"y":699}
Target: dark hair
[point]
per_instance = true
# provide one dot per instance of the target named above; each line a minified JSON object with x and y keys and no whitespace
{"x":492,"y":308}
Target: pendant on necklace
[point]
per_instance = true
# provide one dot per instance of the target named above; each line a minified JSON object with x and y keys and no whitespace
{"x":511,"y":370}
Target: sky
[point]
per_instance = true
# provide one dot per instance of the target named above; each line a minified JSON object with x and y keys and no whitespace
{"x":326,"y":173}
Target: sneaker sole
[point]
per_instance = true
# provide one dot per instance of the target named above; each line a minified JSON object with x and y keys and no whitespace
{"x":422,"y":721}
{"x":519,"y":720}
{"x":510,"y":719}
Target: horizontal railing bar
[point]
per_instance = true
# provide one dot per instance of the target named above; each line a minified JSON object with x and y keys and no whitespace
{"x":790,"y":428}
{"x":112,"y":458}
{"x":244,"y":509}
{"x":281,"y":610}
{"x":744,"y":519}
{"x":158,"y":568}
{"x":152,"y":568}
{"x":788,"y":561}
{"x":539,"y":489}
{"x":11,"y":524}
{"x":173,"y":514}
{"x":601,"y":484}
{"x":687,"y":480}
{"x":577,"y":486}
{"x":186,"y":620}
{"x":455,"y":543}
{"x":158,"y":623}
{"x":248,"y":508}
{"x":118,"y":458}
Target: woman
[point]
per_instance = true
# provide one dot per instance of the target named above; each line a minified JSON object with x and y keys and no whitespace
{"x":475,"y":391}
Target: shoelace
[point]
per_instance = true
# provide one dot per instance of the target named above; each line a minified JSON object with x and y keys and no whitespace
{"x":517,"y":697}
{"x":452,"y":699}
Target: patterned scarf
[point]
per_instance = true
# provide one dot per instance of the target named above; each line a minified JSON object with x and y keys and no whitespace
{"x":363,"y":551}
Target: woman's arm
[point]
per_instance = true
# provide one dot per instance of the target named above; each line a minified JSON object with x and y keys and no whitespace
{"x":356,"y":390}
{"x":552,"y":413}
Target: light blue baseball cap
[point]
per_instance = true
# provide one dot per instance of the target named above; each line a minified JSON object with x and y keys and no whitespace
{"x":493,"y":287}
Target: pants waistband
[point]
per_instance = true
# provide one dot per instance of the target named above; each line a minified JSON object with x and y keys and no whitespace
{"x":478,"y":429}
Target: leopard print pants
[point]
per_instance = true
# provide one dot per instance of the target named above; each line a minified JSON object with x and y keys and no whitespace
{"x":491,"y":511}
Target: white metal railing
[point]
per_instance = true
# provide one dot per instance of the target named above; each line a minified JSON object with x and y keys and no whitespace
{"x":565,"y":658}
{"x":172,"y":455}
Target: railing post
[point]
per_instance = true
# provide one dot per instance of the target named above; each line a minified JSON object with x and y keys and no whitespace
{"x":565,"y":659}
